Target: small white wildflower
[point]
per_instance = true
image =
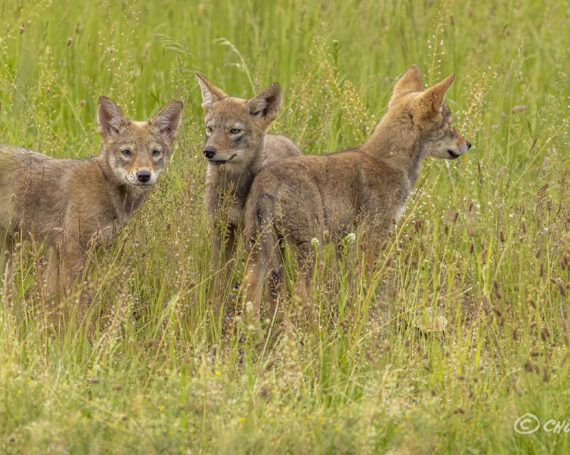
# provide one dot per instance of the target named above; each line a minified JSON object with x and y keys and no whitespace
{"x":315,"y":242}
{"x":351,"y":237}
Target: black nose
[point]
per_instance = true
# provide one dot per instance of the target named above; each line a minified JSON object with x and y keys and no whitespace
{"x":143,"y":176}
{"x":468,"y":145}
{"x":210,"y":151}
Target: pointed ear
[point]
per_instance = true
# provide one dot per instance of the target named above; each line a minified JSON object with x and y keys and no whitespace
{"x":210,"y":93}
{"x":266,"y":104}
{"x":110,"y":118}
{"x":431,"y":101}
{"x":167,"y":120}
{"x":411,"y":81}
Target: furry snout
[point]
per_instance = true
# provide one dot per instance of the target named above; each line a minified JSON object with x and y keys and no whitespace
{"x":221,"y":159}
{"x":210,"y":151}
{"x":143,"y":176}
{"x":459,"y":151}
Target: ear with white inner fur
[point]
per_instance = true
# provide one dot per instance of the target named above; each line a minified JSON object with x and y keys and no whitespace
{"x":167,"y":120}
{"x":110,"y":118}
{"x":431,"y":101}
{"x":411,"y":81}
{"x":210,"y":93}
{"x":266,"y":104}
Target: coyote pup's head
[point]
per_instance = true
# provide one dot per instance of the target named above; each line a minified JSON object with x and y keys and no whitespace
{"x":235,"y":127}
{"x":136,"y":152}
{"x":431,"y":118}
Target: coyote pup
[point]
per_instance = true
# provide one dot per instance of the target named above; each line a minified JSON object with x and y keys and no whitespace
{"x":320,"y":196}
{"x":237,"y":148}
{"x":74,"y":204}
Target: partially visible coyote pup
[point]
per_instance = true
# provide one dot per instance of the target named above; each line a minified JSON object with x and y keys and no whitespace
{"x":74,"y":204}
{"x":305,"y":197}
{"x":237,"y":148}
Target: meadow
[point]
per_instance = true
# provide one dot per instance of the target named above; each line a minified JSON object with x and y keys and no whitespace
{"x":460,"y":330}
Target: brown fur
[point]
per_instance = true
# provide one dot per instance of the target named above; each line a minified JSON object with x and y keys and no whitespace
{"x":236,"y":149}
{"x":328,"y":196}
{"x":76,"y":204}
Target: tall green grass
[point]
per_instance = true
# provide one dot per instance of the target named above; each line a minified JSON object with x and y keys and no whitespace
{"x":150,"y":367}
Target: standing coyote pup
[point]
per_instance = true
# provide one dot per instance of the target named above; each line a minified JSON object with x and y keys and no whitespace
{"x":237,"y":148}
{"x":74,"y":204}
{"x":319,"y":196}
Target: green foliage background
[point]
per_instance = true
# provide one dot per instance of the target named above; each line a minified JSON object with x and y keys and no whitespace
{"x":149,"y":367}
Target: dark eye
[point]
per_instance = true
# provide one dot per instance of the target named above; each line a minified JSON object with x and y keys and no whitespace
{"x":209,"y":130}
{"x":156,"y":153}
{"x":451,"y":134}
{"x":235,"y":131}
{"x":126,"y":152}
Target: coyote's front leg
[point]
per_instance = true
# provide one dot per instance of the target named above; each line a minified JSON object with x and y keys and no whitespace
{"x":72,"y":259}
{"x":252,"y":288}
{"x":264,"y":279}
{"x":372,"y":238}
{"x":53,"y":278}
{"x":223,"y":243}
{"x":306,"y":261}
